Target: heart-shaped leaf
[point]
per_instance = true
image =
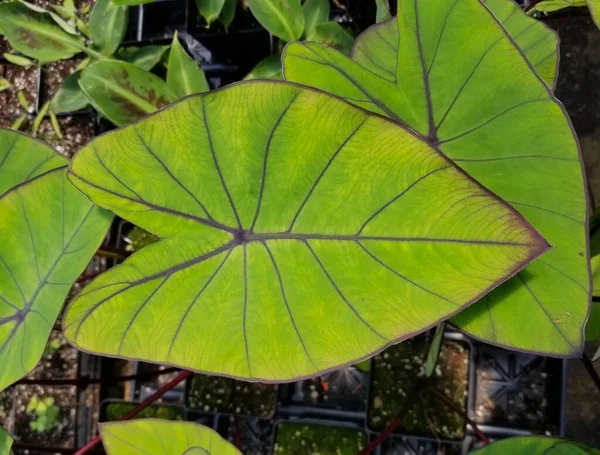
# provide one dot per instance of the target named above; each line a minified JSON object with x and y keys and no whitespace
{"x":122,"y":92}
{"x":144,"y":436}
{"x":282,"y":18}
{"x":287,"y":219}
{"x":5,"y":442}
{"x":49,"y":232}
{"x":36,"y":34}
{"x":377,"y":48}
{"x":107,"y":25}
{"x":184,"y":76}
{"x":531,"y":445}
{"x":465,"y":87}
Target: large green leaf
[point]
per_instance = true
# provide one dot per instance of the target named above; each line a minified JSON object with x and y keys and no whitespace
{"x":594,"y":6}
{"x":5,"y":442}
{"x":49,"y":233}
{"x":184,"y":76}
{"x":315,"y":12}
{"x":297,"y":233}
{"x":282,"y":18}
{"x":154,"y":436}
{"x":536,"y":445}
{"x":465,"y":87}
{"x":210,"y":9}
{"x":36,"y":34}
{"x":107,"y":25}
{"x":123,"y":92}
{"x":536,"y":40}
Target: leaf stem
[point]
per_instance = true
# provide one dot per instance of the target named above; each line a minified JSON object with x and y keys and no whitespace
{"x":140,"y":407}
{"x":85,"y":381}
{"x":587,"y":363}
{"x":112,"y":254}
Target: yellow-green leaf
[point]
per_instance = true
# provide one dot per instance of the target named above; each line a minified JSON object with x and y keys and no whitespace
{"x":210,"y":9}
{"x":184,"y":76}
{"x":282,"y":18}
{"x":269,"y":68}
{"x":534,"y":445}
{"x":286,"y":219}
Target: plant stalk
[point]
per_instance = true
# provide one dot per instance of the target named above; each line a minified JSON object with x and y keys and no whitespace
{"x":112,"y":254}
{"x":587,"y":363}
{"x":139,"y":408}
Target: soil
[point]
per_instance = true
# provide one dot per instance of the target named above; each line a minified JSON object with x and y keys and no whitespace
{"x":344,"y":389}
{"x":77,"y":131}
{"x":115,"y":410}
{"x":79,"y":4}
{"x":53,"y":75}
{"x":254,"y":436}
{"x":4,"y":45}
{"x":396,"y":372}
{"x":22,"y":79}
{"x":59,"y":364}
{"x":63,"y":435}
{"x":296,"y":439}
{"x":216,"y":394}
{"x":515,"y":391}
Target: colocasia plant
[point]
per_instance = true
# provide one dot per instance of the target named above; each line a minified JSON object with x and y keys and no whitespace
{"x":310,"y":223}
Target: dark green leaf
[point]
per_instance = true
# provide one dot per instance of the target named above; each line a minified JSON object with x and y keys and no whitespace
{"x":248,"y":273}
{"x":5,"y":442}
{"x":282,"y":18}
{"x":210,"y":9}
{"x":269,"y":68}
{"x":107,"y":25}
{"x":122,"y":92}
{"x":434,"y":350}
{"x":184,"y":76}
{"x":36,"y":34}
{"x":534,"y":445}
{"x":69,"y":97}
{"x":315,"y":12}
{"x":228,"y":13}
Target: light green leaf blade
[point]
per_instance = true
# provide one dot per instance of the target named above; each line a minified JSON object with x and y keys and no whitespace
{"x":315,"y":12}
{"x":122,"y":92}
{"x":36,"y":34}
{"x":550,"y":6}
{"x":184,"y":76}
{"x":107,"y":25}
{"x":50,"y":232}
{"x":146,"y":57}
{"x":537,"y":41}
{"x":248,"y":274}
{"x":69,"y":97}
{"x":282,"y":18}
{"x":333,"y":35}
{"x":383,"y":11}
{"x":473,"y":108}
{"x":18,"y":60}
{"x":210,"y":9}
{"x":384,"y":38}
{"x":5,"y":442}
{"x":144,"y":436}
{"x":269,"y":68}
{"x":132,"y":2}
{"x":533,"y":445}
{"x":594,"y":6}
{"x":228,"y":13}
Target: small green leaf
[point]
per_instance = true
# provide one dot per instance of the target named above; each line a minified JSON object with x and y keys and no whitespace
{"x":269,"y":68}
{"x":5,"y":84}
{"x":210,"y":9}
{"x":18,"y":60}
{"x":228,"y":13}
{"x":83,"y":27}
{"x":107,"y":25}
{"x":83,"y":64}
{"x":39,"y":117}
{"x":594,"y":6}
{"x":184,"y":76}
{"x":132,"y":2}
{"x":315,"y":12}
{"x":246,"y":262}
{"x":282,"y":18}
{"x":143,"y":436}
{"x":16,"y":125}
{"x":122,"y":92}
{"x":53,"y":231}
{"x":146,"y":57}
{"x":70,"y":97}
{"x":333,"y":35}
{"x":5,"y":442}
{"x":36,"y":34}
{"x":55,"y":124}
{"x":434,"y":350}
{"x":550,"y":6}
{"x":66,"y":26}
{"x":534,"y":445}
{"x":470,"y":102}
{"x":64,"y":12}
{"x":22,"y":99}
{"x":383,"y":11}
